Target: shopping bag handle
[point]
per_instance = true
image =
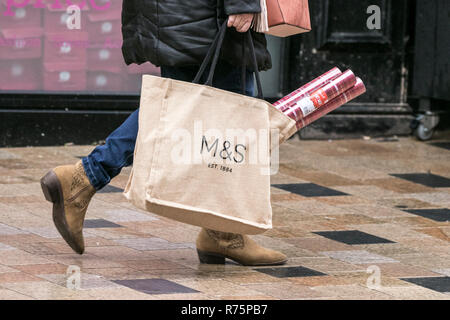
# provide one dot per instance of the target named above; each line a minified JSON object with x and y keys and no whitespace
{"x":214,"y":52}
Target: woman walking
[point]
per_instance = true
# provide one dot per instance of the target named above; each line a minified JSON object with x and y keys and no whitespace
{"x":176,"y":36}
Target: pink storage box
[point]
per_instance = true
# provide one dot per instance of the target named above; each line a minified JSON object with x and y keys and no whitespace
{"x":106,"y":59}
{"x":55,"y":20}
{"x":24,"y":43}
{"x":66,"y":46}
{"x":114,"y":5}
{"x":64,"y":76}
{"x":23,"y":17}
{"x":104,"y":26}
{"x":145,"y":68}
{"x":102,"y":81}
{"x":133,"y":83}
{"x":134,"y":74}
{"x":21,"y":74}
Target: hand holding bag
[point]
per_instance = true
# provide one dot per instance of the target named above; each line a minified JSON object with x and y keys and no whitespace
{"x":188,"y":167}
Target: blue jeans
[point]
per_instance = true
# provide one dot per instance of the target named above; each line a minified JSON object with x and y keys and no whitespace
{"x":106,"y":161}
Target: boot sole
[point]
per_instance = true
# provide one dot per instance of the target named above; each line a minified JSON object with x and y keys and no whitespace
{"x":216,"y":258}
{"x":51,"y":187}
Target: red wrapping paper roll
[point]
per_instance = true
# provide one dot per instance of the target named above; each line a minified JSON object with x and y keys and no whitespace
{"x":289,"y":100}
{"x":320,"y":97}
{"x":358,"y":89}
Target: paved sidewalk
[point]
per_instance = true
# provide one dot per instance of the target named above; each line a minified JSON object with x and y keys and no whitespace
{"x":359,"y":219}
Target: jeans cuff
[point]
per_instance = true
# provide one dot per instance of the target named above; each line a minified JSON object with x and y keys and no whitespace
{"x":96,"y":183}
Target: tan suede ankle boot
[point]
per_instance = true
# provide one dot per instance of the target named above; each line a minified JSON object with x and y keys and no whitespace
{"x":70,"y":190}
{"x":214,"y":246}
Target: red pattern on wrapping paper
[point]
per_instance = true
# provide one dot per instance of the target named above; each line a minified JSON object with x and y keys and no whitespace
{"x":327,"y":93}
{"x":292,"y":98}
{"x":319,"y":98}
{"x":358,"y":89}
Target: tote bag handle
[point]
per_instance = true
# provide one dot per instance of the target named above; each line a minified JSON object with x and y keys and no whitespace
{"x":214,"y":52}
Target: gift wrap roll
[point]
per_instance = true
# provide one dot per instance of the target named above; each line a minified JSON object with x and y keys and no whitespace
{"x":292,"y":98}
{"x":320,"y":97}
{"x":358,"y":89}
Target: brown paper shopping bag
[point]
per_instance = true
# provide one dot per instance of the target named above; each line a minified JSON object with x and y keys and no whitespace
{"x":202,"y":154}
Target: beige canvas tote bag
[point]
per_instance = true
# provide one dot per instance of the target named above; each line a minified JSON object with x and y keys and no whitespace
{"x":202,"y":154}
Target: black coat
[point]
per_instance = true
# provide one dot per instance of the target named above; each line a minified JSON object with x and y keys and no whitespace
{"x":179,"y":32}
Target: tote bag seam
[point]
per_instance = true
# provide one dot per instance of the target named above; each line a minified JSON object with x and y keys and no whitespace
{"x":155,"y":160}
{"x":129,"y":187}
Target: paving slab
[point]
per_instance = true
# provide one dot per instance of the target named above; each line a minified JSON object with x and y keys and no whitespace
{"x":341,"y":211}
